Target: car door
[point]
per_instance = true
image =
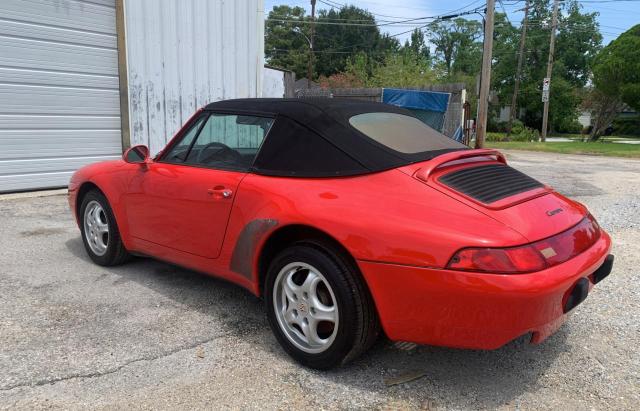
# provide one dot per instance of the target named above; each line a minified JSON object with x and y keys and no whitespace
{"x":183,"y":200}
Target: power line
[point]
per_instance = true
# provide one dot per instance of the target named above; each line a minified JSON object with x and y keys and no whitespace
{"x":608,"y":1}
{"x":331,"y":23}
{"x":506,"y":15}
{"x":334,"y":4}
{"x":419,"y":23}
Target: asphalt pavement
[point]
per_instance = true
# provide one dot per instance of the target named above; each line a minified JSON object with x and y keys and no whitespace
{"x":151,"y":335}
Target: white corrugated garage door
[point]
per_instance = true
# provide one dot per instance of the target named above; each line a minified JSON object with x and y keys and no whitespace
{"x":59,"y":100}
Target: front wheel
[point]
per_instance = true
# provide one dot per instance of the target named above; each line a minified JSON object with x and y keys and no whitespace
{"x":100,"y":233}
{"x":318,"y":307}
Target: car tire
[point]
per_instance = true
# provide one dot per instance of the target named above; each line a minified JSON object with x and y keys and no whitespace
{"x":99,"y":230}
{"x":322,"y":282}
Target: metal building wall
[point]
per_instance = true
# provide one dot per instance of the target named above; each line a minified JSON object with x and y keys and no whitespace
{"x":59,"y":106}
{"x":182,"y":55}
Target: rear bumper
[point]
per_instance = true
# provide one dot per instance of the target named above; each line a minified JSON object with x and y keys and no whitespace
{"x":479,"y":310}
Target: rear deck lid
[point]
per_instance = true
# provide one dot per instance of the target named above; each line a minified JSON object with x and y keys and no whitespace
{"x":489,"y":183}
{"x":483,"y":180}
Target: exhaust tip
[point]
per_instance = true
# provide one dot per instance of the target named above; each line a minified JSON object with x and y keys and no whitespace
{"x":604,"y":270}
{"x":578,"y":294}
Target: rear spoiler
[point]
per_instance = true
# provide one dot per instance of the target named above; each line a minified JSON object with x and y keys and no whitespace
{"x":423,"y":173}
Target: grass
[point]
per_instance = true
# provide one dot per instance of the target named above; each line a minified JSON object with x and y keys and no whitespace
{"x":500,"y":135}
{"x":572,"y":147}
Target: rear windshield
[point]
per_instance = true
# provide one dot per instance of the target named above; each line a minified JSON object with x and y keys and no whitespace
{"x":401,"y":133}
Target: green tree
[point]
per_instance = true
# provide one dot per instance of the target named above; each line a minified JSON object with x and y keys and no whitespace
{"x":457,"y":49}
{"x":285,"y":44}
{"x":335,"y":43}
{"x":578,"y":41}
{"x":616,"y":69}
{"x":616,"y":77}
{"x":339,"y":35}
{"x":505,"y":60}
{"x":417,"y":44}
{"x":402,"y":70}
{"x":359,"y":67}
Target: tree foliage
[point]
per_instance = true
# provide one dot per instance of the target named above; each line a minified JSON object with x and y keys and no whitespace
{"x":457,"y":46}
{"x":616,"y":77}
{"x":334,"y":43}
{"x":339,"y":41}
{"x":417,"y":45}
{"x":616,"y":71}
{"x":399,"y":70}
{"x":578,"y":41}
{"x":285,"y":44}
{"x":451,"y":51}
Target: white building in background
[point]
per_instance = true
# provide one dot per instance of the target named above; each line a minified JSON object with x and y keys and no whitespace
{"x":585,"y":118}
{"x":278,"y":82}
{"x":80,"y":80}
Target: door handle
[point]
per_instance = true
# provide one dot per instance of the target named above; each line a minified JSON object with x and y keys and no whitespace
{"x":220,"y":192}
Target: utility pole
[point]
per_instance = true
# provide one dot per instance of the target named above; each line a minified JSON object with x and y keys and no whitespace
{"x":516,"y":85}
{"x":485,"y":75}
{"x":311,"y":53}
{"x":547,"y":80}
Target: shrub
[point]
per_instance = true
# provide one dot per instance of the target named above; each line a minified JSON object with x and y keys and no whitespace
{"x":525,"y":134}
{"x":533,"y":134}
{"x":493,"y":136}
{"x":627,"y":126}
{"x":571,"y":126}
{"x":496,"y":126}
{"x":517,"y":127}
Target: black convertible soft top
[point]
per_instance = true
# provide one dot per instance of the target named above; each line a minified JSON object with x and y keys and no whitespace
{"x":313,"y":137}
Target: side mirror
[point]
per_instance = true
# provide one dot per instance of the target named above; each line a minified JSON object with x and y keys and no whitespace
{"x":136,"y":155}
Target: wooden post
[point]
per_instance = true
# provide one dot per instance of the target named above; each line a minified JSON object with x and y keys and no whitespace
{"x":485,"y":76}
{"x":552,"y":43}
{"x":311,"y":54}
{"x":516,"y":84}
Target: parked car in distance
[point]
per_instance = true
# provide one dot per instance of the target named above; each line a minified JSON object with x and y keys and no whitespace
{"x":349,"y":218}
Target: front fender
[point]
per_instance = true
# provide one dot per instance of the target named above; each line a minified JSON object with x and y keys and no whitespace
{"x":112,"y":179}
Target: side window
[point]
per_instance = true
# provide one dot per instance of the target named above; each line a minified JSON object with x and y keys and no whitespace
{"x":294,"y":150}
{"x":229,"y":141}
{"x":180,"y":151}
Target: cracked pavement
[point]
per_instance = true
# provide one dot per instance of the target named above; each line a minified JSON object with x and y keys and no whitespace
{"x":152,"y":335}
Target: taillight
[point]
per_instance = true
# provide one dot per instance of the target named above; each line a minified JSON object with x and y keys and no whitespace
{"x":532,"y":257}
{"x":499,"y":260}
{"x":568,"y":244}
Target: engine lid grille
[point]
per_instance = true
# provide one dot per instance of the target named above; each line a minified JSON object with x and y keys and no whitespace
{"x":489,"y":183}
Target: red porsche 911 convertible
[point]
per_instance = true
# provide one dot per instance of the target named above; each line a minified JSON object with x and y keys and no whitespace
{"x":349,"y":218}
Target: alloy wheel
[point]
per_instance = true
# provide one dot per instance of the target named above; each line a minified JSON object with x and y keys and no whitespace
{"x":306,"y":307}
{"x":96,"y":228}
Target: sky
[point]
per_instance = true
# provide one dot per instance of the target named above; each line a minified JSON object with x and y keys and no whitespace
{"x":616,"y":16}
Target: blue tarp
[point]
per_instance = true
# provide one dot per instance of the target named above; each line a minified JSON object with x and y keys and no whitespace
{"x":415,"y":99}
{"x":459,"y":135}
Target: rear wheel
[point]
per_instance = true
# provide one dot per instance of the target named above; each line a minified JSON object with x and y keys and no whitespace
{"x":318,"y":307}
{"x":100,"y":233}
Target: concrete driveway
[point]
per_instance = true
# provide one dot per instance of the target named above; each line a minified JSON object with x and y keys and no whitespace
{"x":152,"y":335}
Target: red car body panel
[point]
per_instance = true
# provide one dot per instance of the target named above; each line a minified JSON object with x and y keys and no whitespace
{"x":475,"y":310}
{"x":179,"y":207}
{"x":401,"y":226}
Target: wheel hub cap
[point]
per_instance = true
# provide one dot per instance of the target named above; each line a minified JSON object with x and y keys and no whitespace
{"x":305,"y":307}
{"x":302,"y":308}
{"x":96,"y":228}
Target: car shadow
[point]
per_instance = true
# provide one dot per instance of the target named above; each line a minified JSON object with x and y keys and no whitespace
{"x":482,"y":379}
